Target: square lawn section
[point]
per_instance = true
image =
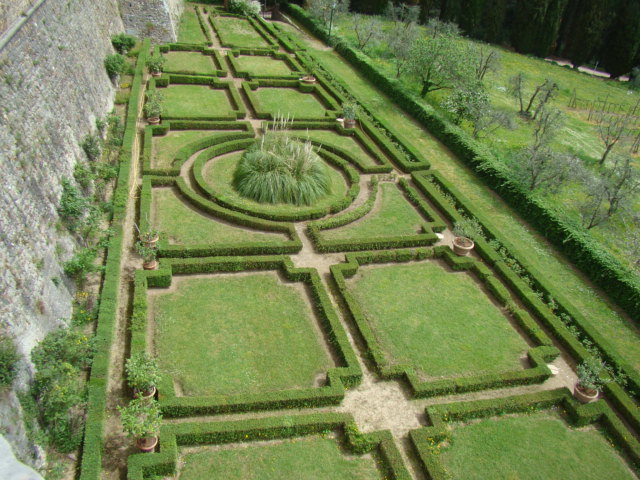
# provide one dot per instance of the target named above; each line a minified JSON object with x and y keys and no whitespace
{"x":307,"y":458}
{"x":437,"y":321}
{"x":289,"y":101}
{"x":540,"y":446}
{"x":238,"y":32}
{"x":237,"y":333}
{"x":189,"y":62}
{"x":185,"y":101}
{"x":165,"y":147}
{"x":263,"y":65}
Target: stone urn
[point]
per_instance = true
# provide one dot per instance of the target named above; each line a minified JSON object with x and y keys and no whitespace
{"x":462,"y":245}
{"x":309,"y":79}
{"x":150,"y":264}
{"x":147,"y":444}
{"x":585,"y":395}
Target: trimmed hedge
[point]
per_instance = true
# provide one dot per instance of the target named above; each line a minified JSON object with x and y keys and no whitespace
{"x":426,"y":440}
{"x":538,"y":356}
{"x":173,"y":436}
{"x":347,"y":374}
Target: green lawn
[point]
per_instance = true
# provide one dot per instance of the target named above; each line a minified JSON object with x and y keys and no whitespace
{"x":189,"y":62}
{"x":219,"y":175}
{"x":184,"y":225}
{"x":307,"y":458}
{"x":235,"y":333}
{"x":394,"y":217}
{"x":261,"y":65}
{"x":184,"y":101}
{"x":239,"y":33}
{"x":189,"y":30}
{"x":289,"y":101}
{"x":534,"y":447}
{"x":437,"y":321}
{"x":529,"y":246}
{"x":165,"y":147}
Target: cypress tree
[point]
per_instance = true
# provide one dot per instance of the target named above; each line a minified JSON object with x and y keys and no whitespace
{"x":470,"y":18}
{"x":450,"y":10}
{"x":536,"y":24}
{"x":583,"y":28}
{"x":622,"y":44}
{"x":493,"y":21}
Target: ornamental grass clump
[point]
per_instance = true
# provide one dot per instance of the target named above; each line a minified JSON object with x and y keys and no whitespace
{"x":278,"y":169}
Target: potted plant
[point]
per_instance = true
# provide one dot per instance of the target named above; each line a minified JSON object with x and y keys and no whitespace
{"x":148,"y":254}
{"x":309,"y":78}
{"x":149,"y":238}
{"x":155,"y":64}
{"x":153,"y":108}
{"x":350,"y":114}
{"x":593,"y":375}
{"x":141,"y":419}
{"x":464,"y":232}
{"x":143,"y":375}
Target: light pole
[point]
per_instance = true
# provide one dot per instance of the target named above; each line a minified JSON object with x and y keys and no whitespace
{"x":334,"y":5}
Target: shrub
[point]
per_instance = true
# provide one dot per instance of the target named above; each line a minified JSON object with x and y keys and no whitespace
{"x":156,"y":63}
{"x":277,"y":169}
{"x":245,"y":7}
{"x":350,"y":110}
{"x":123,"y":42}
{"x":64,"y":346}
{"x":468,"y":227}
{"x":73,"y":204}
{"x":115,"y":64}
{"x":141,"y":418}
{"x":81,"y":264}
{"x":142,"y":372}
{"x":92,"y":146}
{"x":8,"y":361}
{"x":153,"y":107}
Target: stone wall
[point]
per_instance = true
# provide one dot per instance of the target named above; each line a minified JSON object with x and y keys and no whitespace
{"x":13,"y":10}
{"x":53,"y":86}
{"x":157,"y":19}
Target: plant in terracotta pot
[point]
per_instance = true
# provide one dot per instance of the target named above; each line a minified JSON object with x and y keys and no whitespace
{"x":155,"y":64}
{"x":350,"y":114}
{"x":143,"y":374}
{"x":153,"y":108}
{"x":464,"y":232}
{"x":149,"y":237}
{"x":148,"y":254}
{"x":593,"y":375}
{"x":141,"y":419}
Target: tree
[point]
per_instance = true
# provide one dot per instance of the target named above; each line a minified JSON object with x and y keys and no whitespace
{"x":323,"y":10}
{"x":486,"y":59}
{"x":536,"y":25}
{"x":400,"y":42}
{"x":367,"y":29}
{"x":609,"y":191}
{"x":467,"y":102}
{"x":611,"y":129}
{"x":622,"y":43}
{"x":542,"y":94}
{"x":489,"y":120}
{"x":582,"y":29}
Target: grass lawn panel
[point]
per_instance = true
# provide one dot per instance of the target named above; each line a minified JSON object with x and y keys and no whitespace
{"x":439,"y":322}
{"x":528,"y":245}
{"x":347,"y":143}
{"x":537,"y":446}
{"x":219,"y":175}
{"x":190,"y":62}
{"x":190,"y":30}
{"x":165,"y":147}
{"x":261,"y":65}
{"x":289,"y":101}
{"x":184,"y":225}
{"x":239,"y":33}
{"x":307,"y":458}
{"x":395,"y":216}
{"x":236,"y":333}
{"x":184,"y":101}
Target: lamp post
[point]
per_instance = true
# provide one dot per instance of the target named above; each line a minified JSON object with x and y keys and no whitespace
{"x":334,"y":5}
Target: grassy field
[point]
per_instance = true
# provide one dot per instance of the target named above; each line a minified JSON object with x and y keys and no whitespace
{"x":184,"y":101}
{"x":289,"y":101}
{"x":539,"y":446}
{"x":528,"y":245}
{"x":261,"y":65}
{"x":189,"y":62}
{"x":219,"y":175}
{"x":395,"y":217}
{"x":437,"y":321}
{"x":232,"y":334}
{"x":311,"y":458}
{"x":184,"y":225}
{"x":239,"y":33}
{"x":165,"y":147}
{"x":189,"y":30}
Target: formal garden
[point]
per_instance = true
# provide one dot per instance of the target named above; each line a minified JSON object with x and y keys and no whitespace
{"x":293,"y":229}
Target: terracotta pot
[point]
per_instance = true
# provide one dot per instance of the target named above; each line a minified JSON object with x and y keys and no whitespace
{"x":146,"y":394}
{"x":156,"y":74}
{"x":153,"y":120}
{"x":151,"y":243}
{"x":349,"y":123}
{"x":462,"y":245}
{"x":308,"y":79}
{"x":151,"y":265}
{"x":584,"y":395}
{"x":147,"y":444}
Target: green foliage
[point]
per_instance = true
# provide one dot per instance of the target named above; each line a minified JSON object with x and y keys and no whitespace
{"x":73,"y":204}
{"x":141,"y":418}
{"x":115,"y":64}
{"x":153,"y":105}
{"x":8,"y":361}
{"x":245,"y":7}
{"x":92,"y":146}
{"x":277,"y":169}
{"x":468,"y":227}
{"x":156,"y":63}
{"x":64,"y":346}
{"x":147,"y":253}
{"x":350,"y":110}
{"x":142,"y":372}
{"x":123,"y":42}
{"x":81,"y":264}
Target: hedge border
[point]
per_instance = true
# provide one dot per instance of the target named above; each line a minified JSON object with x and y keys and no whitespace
{"x":218,"y":61}
{"x":91,"y":460}
{"x":296,"y":68}
{"x":340,"y":204}
{"x":427,"y":237}
{"x":338,"y":378}
{"x":293,"y":245}
{"x":203,"y":27}
{"x":538,"y":356}
{"x":140,"y":466}
{"x":425,"y":440}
